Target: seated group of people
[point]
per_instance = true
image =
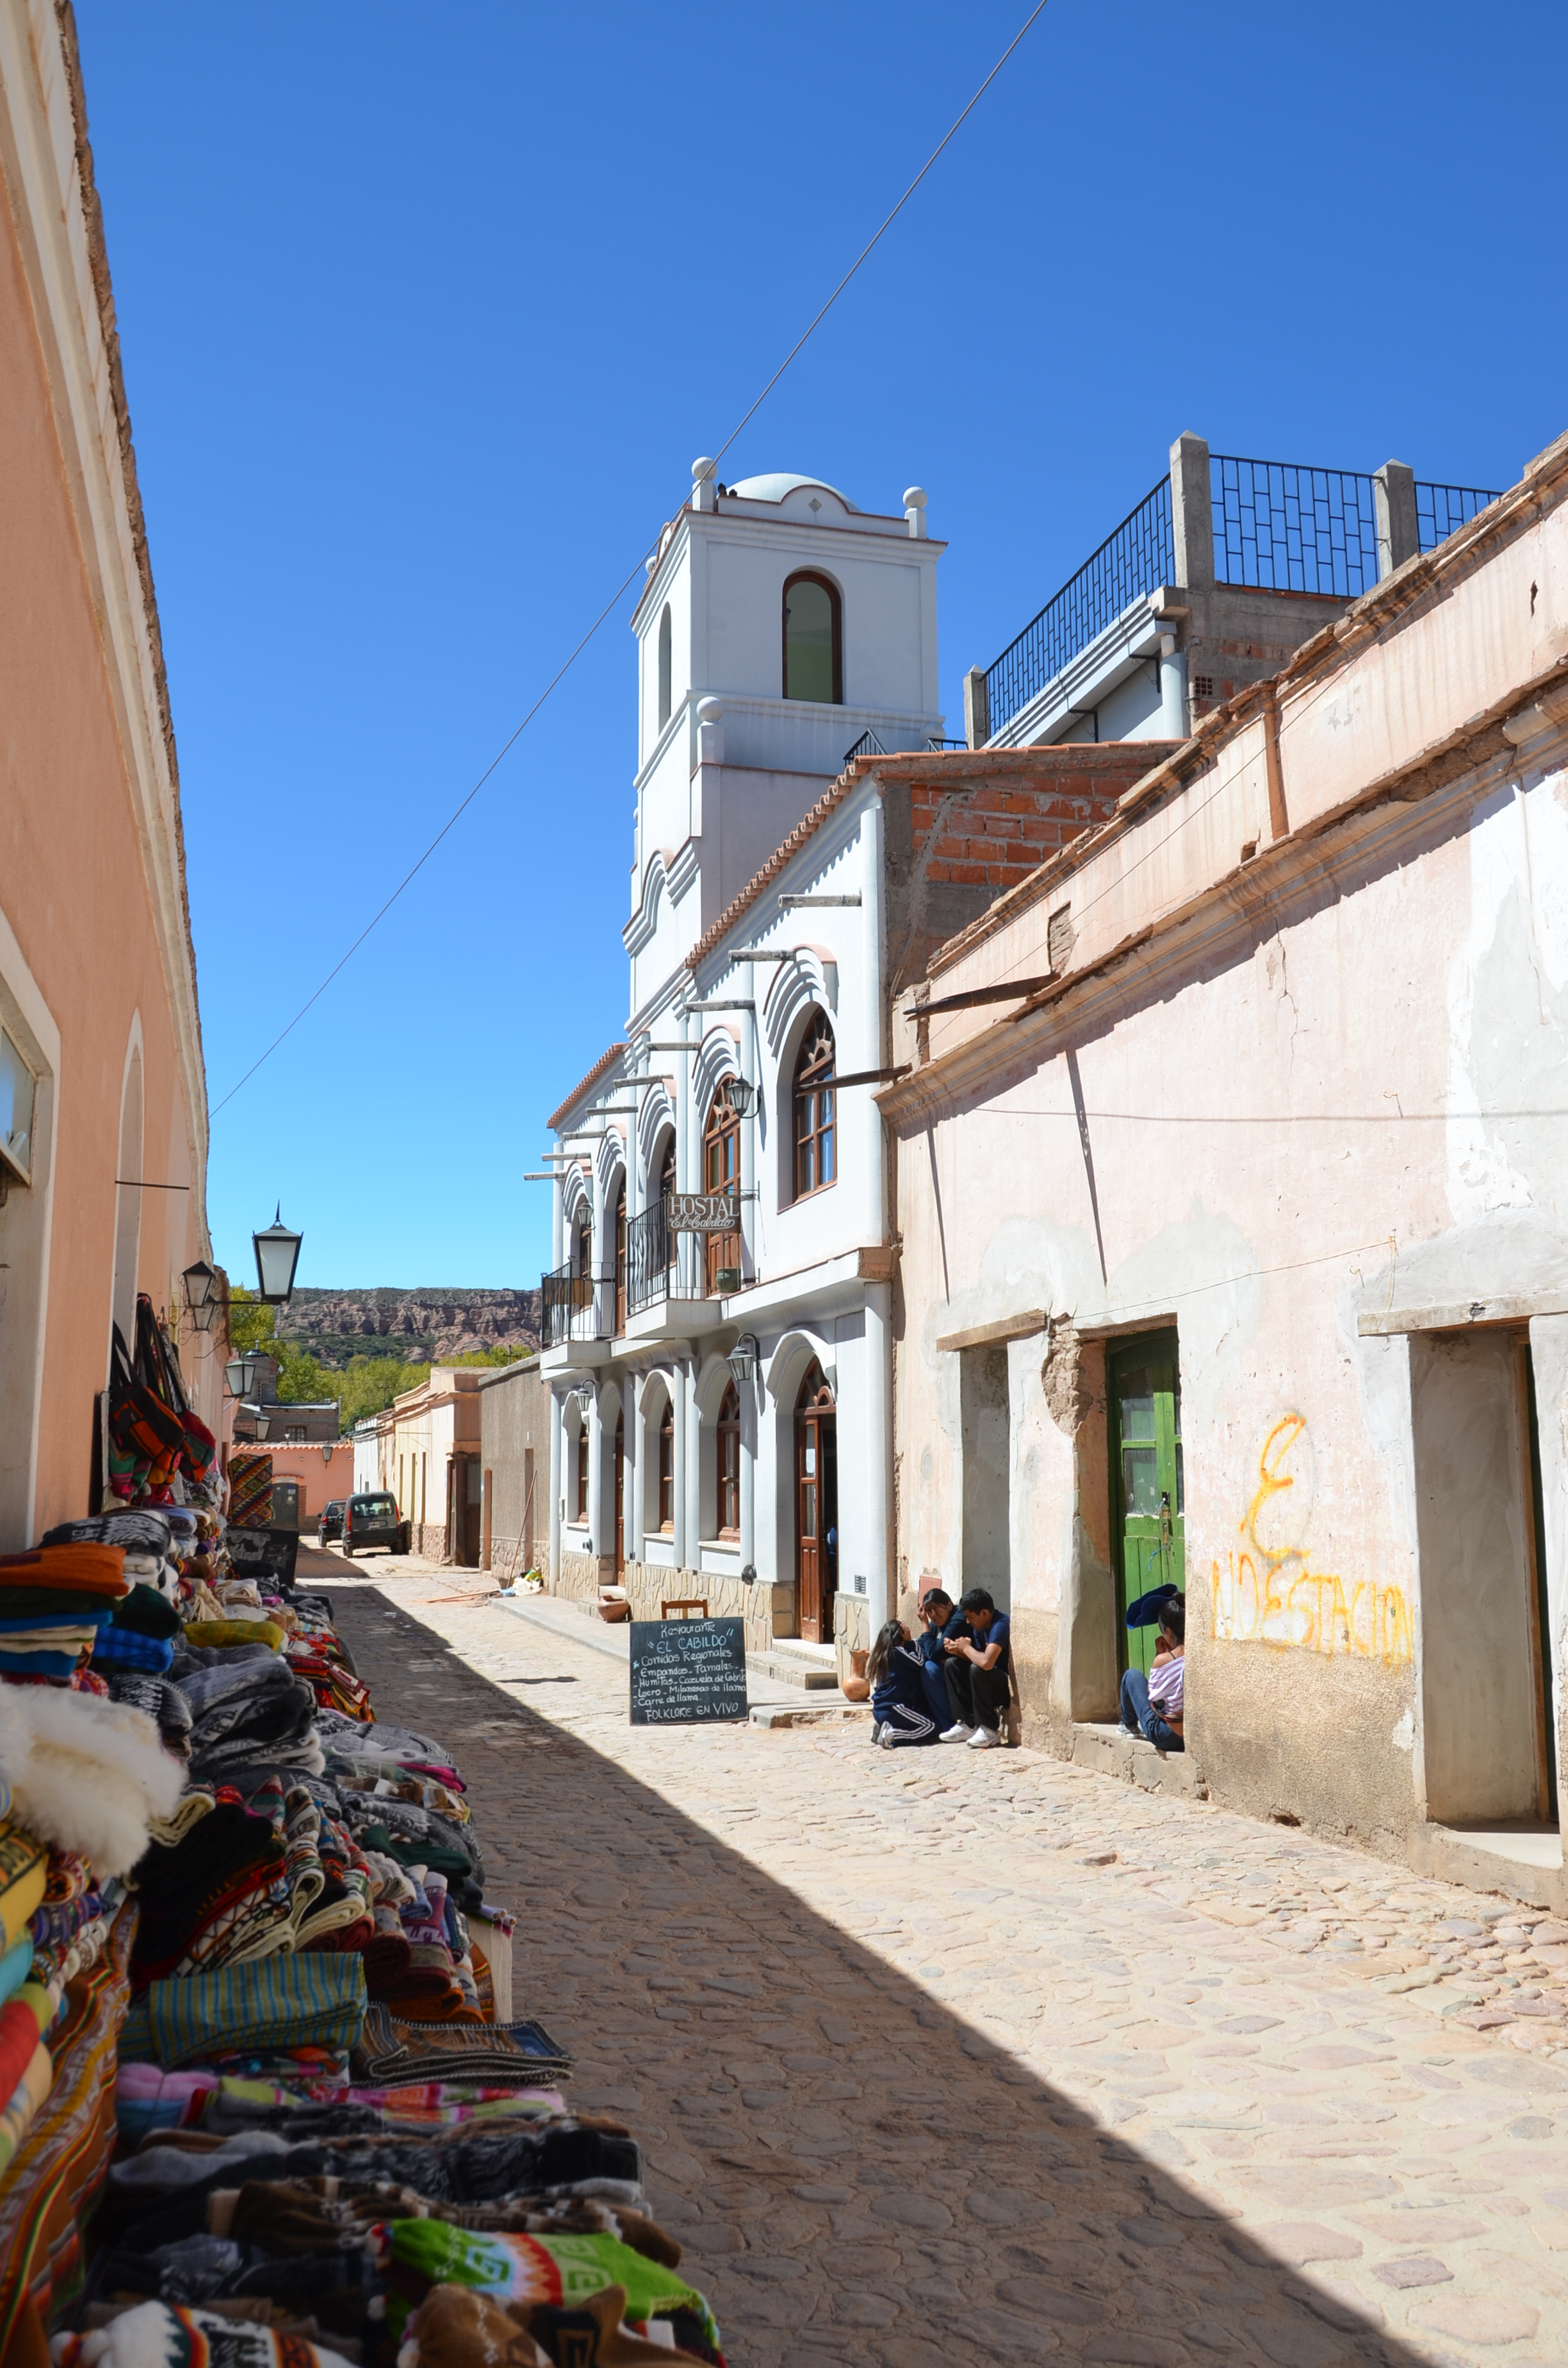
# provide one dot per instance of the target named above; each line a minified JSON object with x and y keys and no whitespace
{"x":949,"y":1684}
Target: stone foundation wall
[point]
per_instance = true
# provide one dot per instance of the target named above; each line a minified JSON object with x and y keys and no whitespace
{"x":507,"y":1560}
{"x":650,"y":1584}
{"x":851,"y":1630}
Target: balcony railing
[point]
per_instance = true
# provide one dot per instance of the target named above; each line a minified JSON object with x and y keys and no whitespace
{"x":1277,"y":526}
{"x":1283,"y":528}
{"x":1139,"y":556}
{"x":869,"y":745}
{"x":664,"y":1264}
{"x":568,"y":1307}
{"x":1442,"y":510}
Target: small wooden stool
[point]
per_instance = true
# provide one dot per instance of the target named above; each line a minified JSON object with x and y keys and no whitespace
{"x":685,"y":1605}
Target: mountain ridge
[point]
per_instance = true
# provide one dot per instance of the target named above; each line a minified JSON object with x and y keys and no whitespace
{"x":429,"y":1321}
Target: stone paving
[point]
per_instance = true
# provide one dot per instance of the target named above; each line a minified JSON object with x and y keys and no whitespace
{"x":941,"y":2055}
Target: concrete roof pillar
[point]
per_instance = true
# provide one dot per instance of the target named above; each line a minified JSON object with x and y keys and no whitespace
{"x":1192,"y":516}
{"x":1399,"y":534}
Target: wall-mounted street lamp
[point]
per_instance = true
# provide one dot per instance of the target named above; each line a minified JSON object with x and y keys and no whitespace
{"x":199,"y":1280}
{"x":242,"y":1373}
{"x":585,"y":1405}
{"x":741,"y":1095}
{"x":743,"y":1357}
{"x":276,"y":1256}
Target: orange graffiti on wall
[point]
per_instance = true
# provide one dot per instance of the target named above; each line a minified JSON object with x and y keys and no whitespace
{"x":1268,"y":1594}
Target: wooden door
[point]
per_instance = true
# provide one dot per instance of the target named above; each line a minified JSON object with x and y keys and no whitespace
{"x":621,"y":1492}
{"x":816,"y":1507}
{"x":1146,"y":1481}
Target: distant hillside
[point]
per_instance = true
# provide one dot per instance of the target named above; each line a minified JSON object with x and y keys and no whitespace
{"x":337,"y":1325}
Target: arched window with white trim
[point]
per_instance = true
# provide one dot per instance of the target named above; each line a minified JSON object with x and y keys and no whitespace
{"x":814,"y":1130}
{"x":813,"y":639}
{"x":667,"y":640}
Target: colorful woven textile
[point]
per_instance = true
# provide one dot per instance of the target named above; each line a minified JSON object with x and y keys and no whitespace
{"x":168,"y":2335}
{"x":24,"y":1877}
{"x":128,"y":1648}
{"x":396,"y":2052}
{"x":210,"y":1634}
{"x":85,"y":1569}
{"x":521,"y":2269}
{"x":62,"y":2165}
{"x":283,"y":2002}
{"x":250,"y":1492}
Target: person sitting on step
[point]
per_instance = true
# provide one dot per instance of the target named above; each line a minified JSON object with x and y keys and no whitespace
{"x":977,"y":1673}
{"x":900,"y":1713}
{"x":1152,"y":1705}
{"x":940,"y":1618}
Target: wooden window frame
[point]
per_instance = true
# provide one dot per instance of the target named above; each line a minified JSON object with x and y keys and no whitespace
{"x":721,"y":1127}
{"x":727,"y":1465}
{"x":835,"y":600}
{"x":583,"y":1469}
{"x":812,"y":1077}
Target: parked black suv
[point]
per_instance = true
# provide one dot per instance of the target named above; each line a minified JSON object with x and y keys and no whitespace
{"x":371,"y":1521}
{"x":331,"y":1522}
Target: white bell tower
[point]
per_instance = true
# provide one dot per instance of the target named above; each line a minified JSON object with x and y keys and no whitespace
{"x":779,"y":626}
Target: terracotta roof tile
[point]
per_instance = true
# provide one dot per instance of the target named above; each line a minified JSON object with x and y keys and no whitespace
{"x":605,"y":1060}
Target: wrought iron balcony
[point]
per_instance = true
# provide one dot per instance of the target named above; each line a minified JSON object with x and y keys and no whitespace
{"x":664,"y":1264}
{"x":569,"y":1310}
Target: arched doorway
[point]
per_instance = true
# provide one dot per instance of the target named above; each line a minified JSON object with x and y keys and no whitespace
{"x":816,"y":1507}
{"x":621,"y":1492}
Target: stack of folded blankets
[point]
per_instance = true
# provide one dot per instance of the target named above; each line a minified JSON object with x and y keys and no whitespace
{"x":249,"y":1919}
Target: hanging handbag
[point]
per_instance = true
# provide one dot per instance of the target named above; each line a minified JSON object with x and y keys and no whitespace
{"x":140,"y":1423}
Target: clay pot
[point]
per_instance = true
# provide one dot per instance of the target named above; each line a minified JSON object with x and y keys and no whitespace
{"x":859,"y":1659}
{"x":856,"y":1690}
{"x":615,"y":1611}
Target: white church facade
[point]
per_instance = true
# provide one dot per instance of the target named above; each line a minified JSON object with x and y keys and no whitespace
{"x":717,"y":1325}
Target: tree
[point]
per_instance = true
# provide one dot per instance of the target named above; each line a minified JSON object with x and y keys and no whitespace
{"x":252,"y":1324}
{"x":302,"y":1380}
{"x":370,"y":1384}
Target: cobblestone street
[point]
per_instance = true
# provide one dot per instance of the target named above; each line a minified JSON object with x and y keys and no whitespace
{"x":940,"y":2057}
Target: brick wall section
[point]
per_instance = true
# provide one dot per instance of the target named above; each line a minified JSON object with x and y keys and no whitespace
{"x":966,"y":826}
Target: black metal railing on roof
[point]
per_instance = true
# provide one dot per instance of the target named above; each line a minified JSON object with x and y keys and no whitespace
{"x":1285,"y":528}
{"x":868,"y":744}
{"x":1139,"y":556}
{"x":1442,"y":510}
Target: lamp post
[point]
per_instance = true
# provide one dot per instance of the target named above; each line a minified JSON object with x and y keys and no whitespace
{"x":276,"y":1256}
{"x":199,"y":1280}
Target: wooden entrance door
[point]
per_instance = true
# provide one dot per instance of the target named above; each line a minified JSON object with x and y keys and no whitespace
{"x":1146,"y":1482}
{"x":816,"y":1507}
{"x":621,"y":1492}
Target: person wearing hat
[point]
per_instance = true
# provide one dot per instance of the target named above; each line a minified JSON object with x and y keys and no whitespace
{"x":1152,"y":1705}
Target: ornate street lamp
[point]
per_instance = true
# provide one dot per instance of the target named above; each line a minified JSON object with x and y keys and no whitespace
{"x":276,"y":1256}
{"x":584,"y":1405}
{"x":241,"y":1372}
{"x":741,"y":1096}
{"x":199,"y":1280}
{"x":742,"y":1359}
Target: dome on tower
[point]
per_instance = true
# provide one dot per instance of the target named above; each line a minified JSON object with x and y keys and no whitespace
{"x":783,"y":483}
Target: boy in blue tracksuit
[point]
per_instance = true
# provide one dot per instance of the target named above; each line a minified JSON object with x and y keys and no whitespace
{"x":941,"y":1619}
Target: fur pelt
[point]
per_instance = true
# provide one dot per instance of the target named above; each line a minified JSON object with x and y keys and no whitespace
{"x":86,"y":1774}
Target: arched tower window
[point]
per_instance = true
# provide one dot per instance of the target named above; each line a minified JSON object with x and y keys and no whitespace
{"x":814,"y":640}
{"x":722,"y":1173}
{"x":729,"y":1464}
{"x":665,"y":665}
{"x":815,"y":1159}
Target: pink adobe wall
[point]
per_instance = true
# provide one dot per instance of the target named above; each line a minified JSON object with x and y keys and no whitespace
{"x":73,"y":889}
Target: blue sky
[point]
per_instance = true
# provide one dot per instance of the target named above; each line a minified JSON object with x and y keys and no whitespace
{"x":424,"y":314}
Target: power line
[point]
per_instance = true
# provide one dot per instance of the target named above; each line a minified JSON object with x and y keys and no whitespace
{"x":631,"y":576}
{"x":1270,"y":1118}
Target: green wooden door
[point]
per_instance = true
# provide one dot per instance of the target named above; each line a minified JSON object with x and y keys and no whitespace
{"x":1145,"y":1445}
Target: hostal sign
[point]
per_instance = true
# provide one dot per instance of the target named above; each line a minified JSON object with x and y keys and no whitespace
{"x":704,"y":1212}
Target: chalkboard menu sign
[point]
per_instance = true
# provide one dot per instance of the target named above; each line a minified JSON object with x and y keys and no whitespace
{"x":685,"y":1672}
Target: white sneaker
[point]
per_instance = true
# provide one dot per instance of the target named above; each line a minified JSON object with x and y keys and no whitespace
{"x":959,"y":1734}
{"x":982,"y":1739}
{"x":876,"y":1730}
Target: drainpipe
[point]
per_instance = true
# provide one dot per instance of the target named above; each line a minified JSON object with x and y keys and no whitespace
{"x":748,"y":1471}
